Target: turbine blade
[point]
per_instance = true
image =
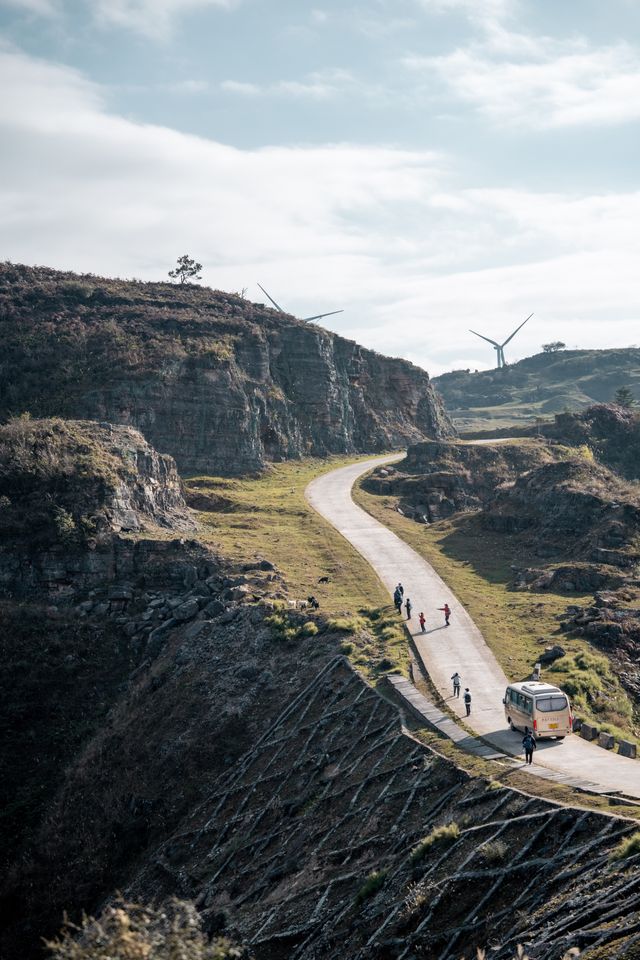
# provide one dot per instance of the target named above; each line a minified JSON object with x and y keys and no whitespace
{"x":516,"y":330}
{"x":319,"y":316}
{"x":276,"y":305}
{"x":485,"y":338}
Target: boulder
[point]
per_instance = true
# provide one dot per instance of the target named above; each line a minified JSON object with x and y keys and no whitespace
{"x":552,"y":653}
{"x":186,"y":610}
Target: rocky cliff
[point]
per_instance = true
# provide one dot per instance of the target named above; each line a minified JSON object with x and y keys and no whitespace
{"x":221,"y":384}
{"x":438,"y":478}
{"x":67,"y":489}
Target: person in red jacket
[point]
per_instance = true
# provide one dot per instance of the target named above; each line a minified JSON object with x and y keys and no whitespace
{"x":422,"y":621}
{"x":447,"y":613}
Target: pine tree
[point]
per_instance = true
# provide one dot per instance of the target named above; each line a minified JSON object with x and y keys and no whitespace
{"x":624,"y":397}
{"x":186,"y":270}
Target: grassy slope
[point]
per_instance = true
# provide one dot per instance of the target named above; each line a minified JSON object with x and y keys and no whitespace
{"x":475,"y":563}
{"x":537,"y":386}
{"x":268,"y":516}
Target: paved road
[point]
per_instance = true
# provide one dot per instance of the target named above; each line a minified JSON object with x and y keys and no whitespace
{"x":458,"y":647}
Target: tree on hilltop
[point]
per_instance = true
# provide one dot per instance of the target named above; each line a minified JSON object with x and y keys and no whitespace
{"x":187,"y":269}
{"x":553,"y":347}
{"x":624,"y":398}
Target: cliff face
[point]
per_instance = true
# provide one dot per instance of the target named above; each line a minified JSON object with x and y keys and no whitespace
{"x":67,"y":489}
{"x":438,"y":479}
{"x":221,"y":384}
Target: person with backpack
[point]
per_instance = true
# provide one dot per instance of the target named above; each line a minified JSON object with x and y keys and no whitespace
{"x":407,"y":606}
{"x":422,"y":621}
{"x":467,"y":701}
{"x":456,"y":684}
{"x":447,"y":613}
{"x":528,"y":745}
{"x":400,"y":589}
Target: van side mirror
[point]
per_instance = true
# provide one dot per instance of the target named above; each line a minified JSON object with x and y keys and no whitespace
{"x":504,"y":700}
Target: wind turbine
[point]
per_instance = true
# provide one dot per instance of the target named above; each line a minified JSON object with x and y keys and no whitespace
{"x":318,"y":316}
{"x":499,"y":347}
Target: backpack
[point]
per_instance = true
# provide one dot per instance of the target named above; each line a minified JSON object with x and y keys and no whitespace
{"x":467,"y":698}
{"x":528,"y":743}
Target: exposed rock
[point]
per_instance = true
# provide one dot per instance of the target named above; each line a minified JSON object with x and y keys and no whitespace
{"x":551,"y":654}
{"x":438,"y":479}
{"x":222,"y":384}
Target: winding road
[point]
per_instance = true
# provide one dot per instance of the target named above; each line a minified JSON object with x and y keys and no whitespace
{"x":460,"y":646}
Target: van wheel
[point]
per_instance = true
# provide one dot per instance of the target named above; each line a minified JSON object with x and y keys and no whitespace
{"x":511,"y":725}
{"x":559,"y":738}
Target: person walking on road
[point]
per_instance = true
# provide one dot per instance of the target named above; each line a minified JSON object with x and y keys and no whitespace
{"x":407,"y":606}
{"x":447,"y":613}
{"x":467,"y":701}
{"x":456,"y":684}
{"x":400,"y":589}
{"x":397,"y":600}
{"x":528,"y":745}
{"x":422,"y":621}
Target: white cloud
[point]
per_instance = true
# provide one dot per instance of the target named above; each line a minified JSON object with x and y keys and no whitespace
{"x":540,"y":82}
{"x":319,"y":85}
{"x":474,"y":8}
{"x":153,"y":18}
{"x":414,"y":258}
{"x":43,"y":8}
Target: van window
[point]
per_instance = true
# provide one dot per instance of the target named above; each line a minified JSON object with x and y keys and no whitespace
{"x":551,"y":704}
{"x":528,"y":705}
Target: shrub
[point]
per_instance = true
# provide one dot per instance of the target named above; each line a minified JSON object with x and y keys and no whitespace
{"x":627,"y":848}
{"x":309,"y":629}
{"x":346,"y":624}
{"x":371,"y":885}
{"x":128,"y":931}
{"x":439,"y":837}
{"x":494,"y":851}
{"x":347,"y":648}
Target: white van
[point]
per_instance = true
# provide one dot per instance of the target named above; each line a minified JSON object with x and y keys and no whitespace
{"x":541,"y":707}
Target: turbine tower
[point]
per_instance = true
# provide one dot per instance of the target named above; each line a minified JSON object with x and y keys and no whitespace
{"x":318,"y":316}
{"x":499,"y":347}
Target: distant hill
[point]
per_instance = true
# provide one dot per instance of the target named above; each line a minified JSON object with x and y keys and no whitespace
{"x":537,"y":386}
{"x":221,"y":384}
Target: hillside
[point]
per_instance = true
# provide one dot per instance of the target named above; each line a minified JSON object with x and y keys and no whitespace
{"x":537,"y":386}
{"x":221,"y":384}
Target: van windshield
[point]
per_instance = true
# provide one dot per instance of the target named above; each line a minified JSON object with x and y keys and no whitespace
{"x":551,"y":704}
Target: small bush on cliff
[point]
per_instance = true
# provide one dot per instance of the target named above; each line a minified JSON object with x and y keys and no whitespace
{"x":128,"y":931}
{"x":629,"y":847}
{"x":371,"y":886}
{"x":439,"y":837}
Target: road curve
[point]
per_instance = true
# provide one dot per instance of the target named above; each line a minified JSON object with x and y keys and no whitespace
{"x":460,"y":646}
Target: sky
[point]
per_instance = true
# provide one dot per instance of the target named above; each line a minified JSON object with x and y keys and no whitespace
{"x":428,"y":166}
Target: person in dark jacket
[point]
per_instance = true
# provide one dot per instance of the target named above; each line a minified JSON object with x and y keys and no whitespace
{"x":528,"y":745}
{"x":397,"y":600}
{"x":407,"y":606}
{"x":467,"y":700}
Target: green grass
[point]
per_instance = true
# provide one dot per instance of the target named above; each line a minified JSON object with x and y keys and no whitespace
{"x":372,"y":884}
{"x":517,"y":625}
{"x":268,"y":516}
